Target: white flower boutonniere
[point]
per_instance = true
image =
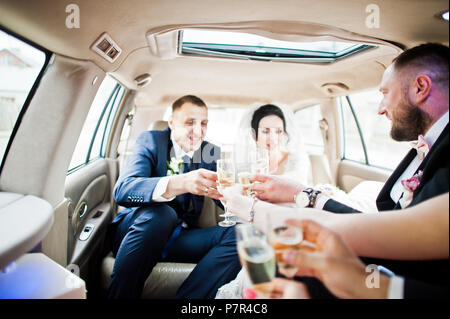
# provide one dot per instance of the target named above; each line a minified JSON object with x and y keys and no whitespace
{"x":174,"y":166}
{"x":410,"y":185}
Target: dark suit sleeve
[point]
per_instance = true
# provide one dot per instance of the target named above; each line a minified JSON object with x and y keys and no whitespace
{"x":335,"y":207}
{"x":414,"y":289}
{"x":135,"y":185}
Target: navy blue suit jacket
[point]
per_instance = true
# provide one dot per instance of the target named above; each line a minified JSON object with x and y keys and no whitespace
{"x":148,"y":164}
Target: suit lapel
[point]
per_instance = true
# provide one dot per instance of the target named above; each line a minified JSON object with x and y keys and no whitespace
{"x":163,"y":150}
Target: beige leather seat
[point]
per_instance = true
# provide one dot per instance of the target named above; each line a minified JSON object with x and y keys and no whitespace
{"x":166,"y":277}
{"x":158,"y":125}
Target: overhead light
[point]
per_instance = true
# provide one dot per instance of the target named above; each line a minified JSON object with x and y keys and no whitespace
{"x":106,"y":47}
{"x":442,"y":15}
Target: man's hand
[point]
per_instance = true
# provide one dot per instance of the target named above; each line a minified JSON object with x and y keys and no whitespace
{"x":198,"y":182}
{"x":332,"y":262}
{"x":201,"y":182}
{"x":274,"y":188}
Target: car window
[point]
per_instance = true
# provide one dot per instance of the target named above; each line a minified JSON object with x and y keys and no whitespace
{"x":307,"y":121}
{"x":20,"y":66}
{"x":366,"y":134}
{"x":223,"y":124}
{"x":94,"y":135}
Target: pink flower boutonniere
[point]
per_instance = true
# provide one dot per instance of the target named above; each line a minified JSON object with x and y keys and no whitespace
{"x":410,"y":185}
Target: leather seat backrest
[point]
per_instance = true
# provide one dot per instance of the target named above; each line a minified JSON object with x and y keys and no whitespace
{"x":158,"y":125}
{"x":210,"y":214}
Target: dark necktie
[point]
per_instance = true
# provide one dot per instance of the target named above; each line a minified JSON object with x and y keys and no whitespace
{"x":188,"y":199}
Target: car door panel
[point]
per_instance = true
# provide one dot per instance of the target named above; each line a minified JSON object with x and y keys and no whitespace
{"x":352,"y":173}
{"x":90,"y":191}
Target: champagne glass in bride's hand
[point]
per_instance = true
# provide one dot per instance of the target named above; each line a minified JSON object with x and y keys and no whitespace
{"x":260,"y":161}
{"x":257,"y":257}
{"x":243,"y":171}
{"x":226,"y":178}
{"x":283,"y":237}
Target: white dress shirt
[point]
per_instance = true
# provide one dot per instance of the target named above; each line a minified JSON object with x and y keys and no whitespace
{"x":161,"y":186}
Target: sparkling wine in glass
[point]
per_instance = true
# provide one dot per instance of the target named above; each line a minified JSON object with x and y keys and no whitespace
{"x":260,"y":161}
{"x":243,"y":171}
{"x":244,"y":180}
{"x":283,"y":237}
{"x":257,"y":257}
{"x":226,"y":178}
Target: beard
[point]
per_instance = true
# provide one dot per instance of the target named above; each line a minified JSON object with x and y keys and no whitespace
{"x":409,"y":122}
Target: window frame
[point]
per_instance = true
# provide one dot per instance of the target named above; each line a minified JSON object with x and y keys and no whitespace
{"x":110,"y":103}
{"x":360,"y":133}
{"x":275,"y":54}
{"x":358,"y":126}
{"x":312,"y":145}
{"x":31,"y":93}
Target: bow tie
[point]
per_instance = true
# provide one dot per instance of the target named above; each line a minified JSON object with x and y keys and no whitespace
{"x":422,"y":147}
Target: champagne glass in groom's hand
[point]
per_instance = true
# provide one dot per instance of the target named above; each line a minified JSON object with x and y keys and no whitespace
{"x":226,"y":178}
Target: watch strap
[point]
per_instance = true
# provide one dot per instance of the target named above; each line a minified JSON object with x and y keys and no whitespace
{"x":312,"y":197}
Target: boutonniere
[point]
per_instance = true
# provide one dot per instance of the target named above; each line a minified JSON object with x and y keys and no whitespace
{"x":174,"y":166}
{"x":409,"y":186}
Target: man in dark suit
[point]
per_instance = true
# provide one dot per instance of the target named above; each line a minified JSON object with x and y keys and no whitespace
{"x":415,"y":98}
{"x":163,"y":186}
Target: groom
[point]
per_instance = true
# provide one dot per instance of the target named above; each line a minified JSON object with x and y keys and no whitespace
{"x":163,"y":186}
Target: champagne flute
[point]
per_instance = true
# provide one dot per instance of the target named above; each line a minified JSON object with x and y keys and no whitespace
{"x":244,"y":173}
{"x":283,"y":237}
{"x":257,"y":257}
{"x":226,"y":178}
{"x":260,"y":161}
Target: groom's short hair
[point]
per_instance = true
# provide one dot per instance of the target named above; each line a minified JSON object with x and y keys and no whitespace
{"x":429,"y":56}
{"x":187,"y":99}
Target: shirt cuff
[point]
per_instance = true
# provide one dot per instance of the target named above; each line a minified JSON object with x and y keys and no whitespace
{"x":396,"y":287}
{"x":160,"y":189}
{"x":321,"y":201}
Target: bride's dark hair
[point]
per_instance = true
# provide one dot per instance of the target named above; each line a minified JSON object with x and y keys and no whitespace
{"x":263,"y":111}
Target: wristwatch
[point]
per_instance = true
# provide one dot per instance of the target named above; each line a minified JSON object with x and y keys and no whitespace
{"x":306,"y":198}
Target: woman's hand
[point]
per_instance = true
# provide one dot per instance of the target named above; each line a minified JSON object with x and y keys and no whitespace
{"x":282,"y":289}
{"x":236,"y":202}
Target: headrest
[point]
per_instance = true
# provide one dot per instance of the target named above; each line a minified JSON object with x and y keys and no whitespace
{"x":158,"y":125}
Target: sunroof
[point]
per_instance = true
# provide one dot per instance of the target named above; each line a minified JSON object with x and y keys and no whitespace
{"x":251,"y":46}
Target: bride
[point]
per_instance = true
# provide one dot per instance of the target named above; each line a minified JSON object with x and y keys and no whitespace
{"x":272,"y":128}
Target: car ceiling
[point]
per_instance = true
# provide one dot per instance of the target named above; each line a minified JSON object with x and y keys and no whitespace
{"x":224,"y":82}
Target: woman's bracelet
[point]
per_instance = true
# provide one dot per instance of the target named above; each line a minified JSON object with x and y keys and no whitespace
{"x":252,"y":210}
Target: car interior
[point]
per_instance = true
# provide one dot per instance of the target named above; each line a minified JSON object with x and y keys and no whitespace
{"x":79,"y":81}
